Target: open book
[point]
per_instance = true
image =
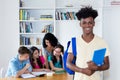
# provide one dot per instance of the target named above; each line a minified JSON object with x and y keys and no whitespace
{"x":43,"y":72}
{"x":35,"y":74}
{"x":38,"y":73}
{"x":27,"y":76}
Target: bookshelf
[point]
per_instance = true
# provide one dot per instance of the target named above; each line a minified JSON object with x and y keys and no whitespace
{"x":36,"y":17}
{"x":55,"y":16}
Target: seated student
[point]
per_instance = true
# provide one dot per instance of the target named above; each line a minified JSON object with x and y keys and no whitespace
{"x":55,"y":60}
{"x":19,"y":64}
{"x":37,"y":61}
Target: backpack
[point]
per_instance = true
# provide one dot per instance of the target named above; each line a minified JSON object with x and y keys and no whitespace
{"x":65,"y":55}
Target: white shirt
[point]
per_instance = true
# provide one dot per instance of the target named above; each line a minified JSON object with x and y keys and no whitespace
{"x":85,"y":53}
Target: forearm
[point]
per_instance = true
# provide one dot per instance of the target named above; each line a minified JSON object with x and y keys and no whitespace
{"x":103,"y":67}
{"x":38,"y":70}
{"x":19,"y":73}
{"x":27,"y":71}
{"x":87,"y":71}
{"x":74,"y":67}
{"x":70,"y":65}
{"x":81,"y":70}
{"x":46,"y":64}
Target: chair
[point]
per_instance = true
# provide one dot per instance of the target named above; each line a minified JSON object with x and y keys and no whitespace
{"x":1,"y":73}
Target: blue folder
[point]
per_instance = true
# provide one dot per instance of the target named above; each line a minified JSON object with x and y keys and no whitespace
{"x":98,"y":56}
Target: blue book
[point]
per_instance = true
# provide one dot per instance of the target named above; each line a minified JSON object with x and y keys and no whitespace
{"x":26,"y":41}
{"x":98,"y":56}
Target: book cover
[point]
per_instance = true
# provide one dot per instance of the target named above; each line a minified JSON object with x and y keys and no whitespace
{"x":71,"y":16}
{"x":38,"y":42}
{"x":31,"y":41}
{"x":63,"y":16}
{"x":28,"y":28}
{"x":98,"y":56}
{"x":74,"y":15}
{"x":20,"y":15}
{"x":56,"y":15}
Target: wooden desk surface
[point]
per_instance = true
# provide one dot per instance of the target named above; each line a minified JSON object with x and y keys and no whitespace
{"x":54,"y":77}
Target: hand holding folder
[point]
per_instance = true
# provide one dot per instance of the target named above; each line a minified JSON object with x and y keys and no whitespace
{"x":98,"y":56}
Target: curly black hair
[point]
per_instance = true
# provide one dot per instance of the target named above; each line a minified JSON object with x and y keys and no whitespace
{"x":86,"y":12}
{"x":51,"y":38}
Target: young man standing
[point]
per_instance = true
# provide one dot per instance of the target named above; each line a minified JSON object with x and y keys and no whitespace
{"x":19,"y":64}
{"x":87,"y":43}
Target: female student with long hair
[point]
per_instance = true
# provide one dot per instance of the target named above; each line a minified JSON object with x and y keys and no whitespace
{"x":55,"y":60}
{"x":49,"y":42}
{"x":37,"y":61}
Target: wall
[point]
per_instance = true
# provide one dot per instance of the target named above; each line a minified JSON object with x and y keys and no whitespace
{"x":9,"y":38}
{"x":111,"y":33}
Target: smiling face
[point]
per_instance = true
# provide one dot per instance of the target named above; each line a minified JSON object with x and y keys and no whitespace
{"x":36,"y":54}
{"x":87,"y":25}
{"x":57,"y":52}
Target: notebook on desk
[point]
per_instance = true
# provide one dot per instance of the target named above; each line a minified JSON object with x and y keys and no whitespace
{"x":43,"y":73}
{"x":60,"y":72}
{"x":98,"y":56}
{"x":27,"y":76}
{"x":37,"y":74}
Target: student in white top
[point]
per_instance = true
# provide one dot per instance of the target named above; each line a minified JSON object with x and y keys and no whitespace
{"x":87,"y":43}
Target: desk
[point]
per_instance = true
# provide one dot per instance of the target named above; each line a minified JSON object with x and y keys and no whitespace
{"x":64,"y":76}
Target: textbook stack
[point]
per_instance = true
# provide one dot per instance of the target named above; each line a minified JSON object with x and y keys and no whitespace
{"x":46,"y":17}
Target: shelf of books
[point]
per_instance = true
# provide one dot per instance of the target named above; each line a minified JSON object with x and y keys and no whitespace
{"x":68,"y":15}
{"x":65,"y":11}
{"x":34,"y":22}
